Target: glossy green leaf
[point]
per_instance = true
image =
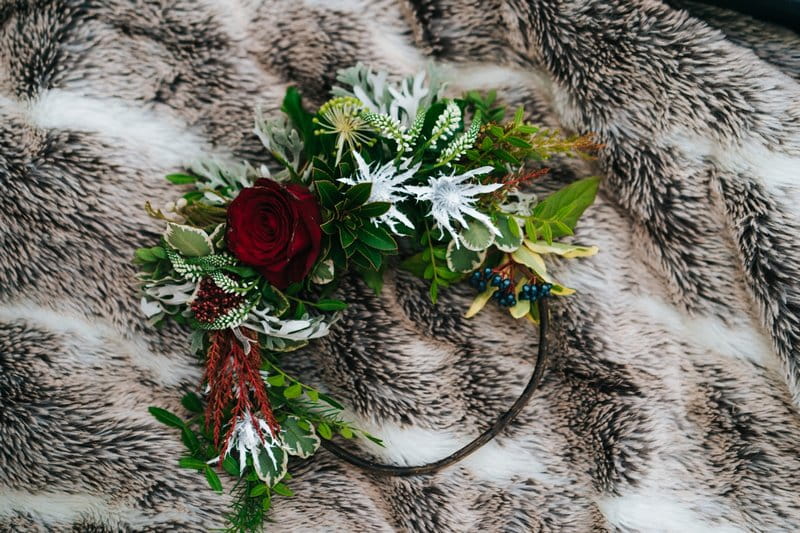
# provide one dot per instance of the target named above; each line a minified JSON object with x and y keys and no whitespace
{"x":213,"y":479}
{"x":165,"y":417}
{"x":377,"y":237}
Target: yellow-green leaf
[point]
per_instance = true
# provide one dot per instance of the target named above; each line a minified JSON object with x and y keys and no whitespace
{"x":532,"y":260}
{"x":522,"y":307}
{"x":479,"y":302}
{"x":562,"y":249}
{"x":560,"y":290}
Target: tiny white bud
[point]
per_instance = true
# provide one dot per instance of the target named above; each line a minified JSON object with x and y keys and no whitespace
{"x":169,"y":207}
{"x":181,"y":203}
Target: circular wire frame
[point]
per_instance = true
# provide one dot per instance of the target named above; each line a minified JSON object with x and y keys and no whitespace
{"x":495,"y":429}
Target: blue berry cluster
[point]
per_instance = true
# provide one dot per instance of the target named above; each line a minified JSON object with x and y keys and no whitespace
{"x":533,"y":292}
{"x":483,"y":279}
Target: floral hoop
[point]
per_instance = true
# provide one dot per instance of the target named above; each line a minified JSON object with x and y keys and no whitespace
{"x":250,"y":259}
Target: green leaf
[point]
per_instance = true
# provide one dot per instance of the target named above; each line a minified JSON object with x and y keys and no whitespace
{"x":328,"y":193}
{"x":568,"y":204}
{"x":190,"y":439}
{"x":374,"y":258}
{"x":324,"y":431}
{"x":230,"y":466}
{"x":213,"y":480}
{"x":480,"y":302}
{"x":145,"y":255}
{"x":283,"y":490}
{"x":258,"y":490}
{"x":330,"y":401}
{"x":192,"y":463}
{"x":165,"y":417}
{"x":346,"y":237}
{"x":191,"y":402}
{"x":462,"y":259}
{"x":487,"y":143}
{"x":377,"y":237}
{"x":530,"y":229}
{"x":270,"y":463}
{"x":189,"y":241}
{"x":293,"y":391}
{"x":346,"y":432}
{"x":358,"y":194}
{"x":181,"y":179}
{"x":510,"y":235}
{"x":476,"y":236}
{"x":519,"y":143}
{"x":330,"y":305}
{"x":298,"y":438}
{"x":373,"y":279}
{"x":547,"y":232}
{"x":278,"y":380}
{"x":373,"y":209}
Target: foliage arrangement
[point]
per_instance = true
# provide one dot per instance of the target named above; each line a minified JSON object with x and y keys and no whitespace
{"x":250,"y":260}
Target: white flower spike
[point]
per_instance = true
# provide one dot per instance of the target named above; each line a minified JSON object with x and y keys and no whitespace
{"x":452,"y":199}
{"x":387,"y":186}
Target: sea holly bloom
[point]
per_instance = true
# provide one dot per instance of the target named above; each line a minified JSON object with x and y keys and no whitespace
{"x":453,"y":199}
{"x":387,"y":183}
{"x":342,"y":117}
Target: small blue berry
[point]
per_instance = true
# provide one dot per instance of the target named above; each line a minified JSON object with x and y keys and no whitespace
{"x":487,"y":272}
{"x":481,"y":285}
{"x":506,"y":283}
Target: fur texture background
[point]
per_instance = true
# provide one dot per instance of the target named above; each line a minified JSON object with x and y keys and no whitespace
{"x":671,"y":400}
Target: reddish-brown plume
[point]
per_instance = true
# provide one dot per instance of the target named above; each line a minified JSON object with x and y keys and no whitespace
{"x":234,"y":382}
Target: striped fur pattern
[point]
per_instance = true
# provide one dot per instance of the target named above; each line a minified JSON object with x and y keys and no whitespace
{"x":671,"y":400}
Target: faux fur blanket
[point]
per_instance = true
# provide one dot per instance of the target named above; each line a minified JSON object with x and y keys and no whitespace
{"x":671,"y":399}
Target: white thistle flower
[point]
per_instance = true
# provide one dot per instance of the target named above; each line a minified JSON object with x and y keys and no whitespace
{"x":452,"y":199}
{"x":387,"y":184}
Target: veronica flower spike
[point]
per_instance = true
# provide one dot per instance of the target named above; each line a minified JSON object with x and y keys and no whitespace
{"x":453,"y":199}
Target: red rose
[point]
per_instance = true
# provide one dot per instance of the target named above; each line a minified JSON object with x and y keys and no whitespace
{"x":275,"y":229}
